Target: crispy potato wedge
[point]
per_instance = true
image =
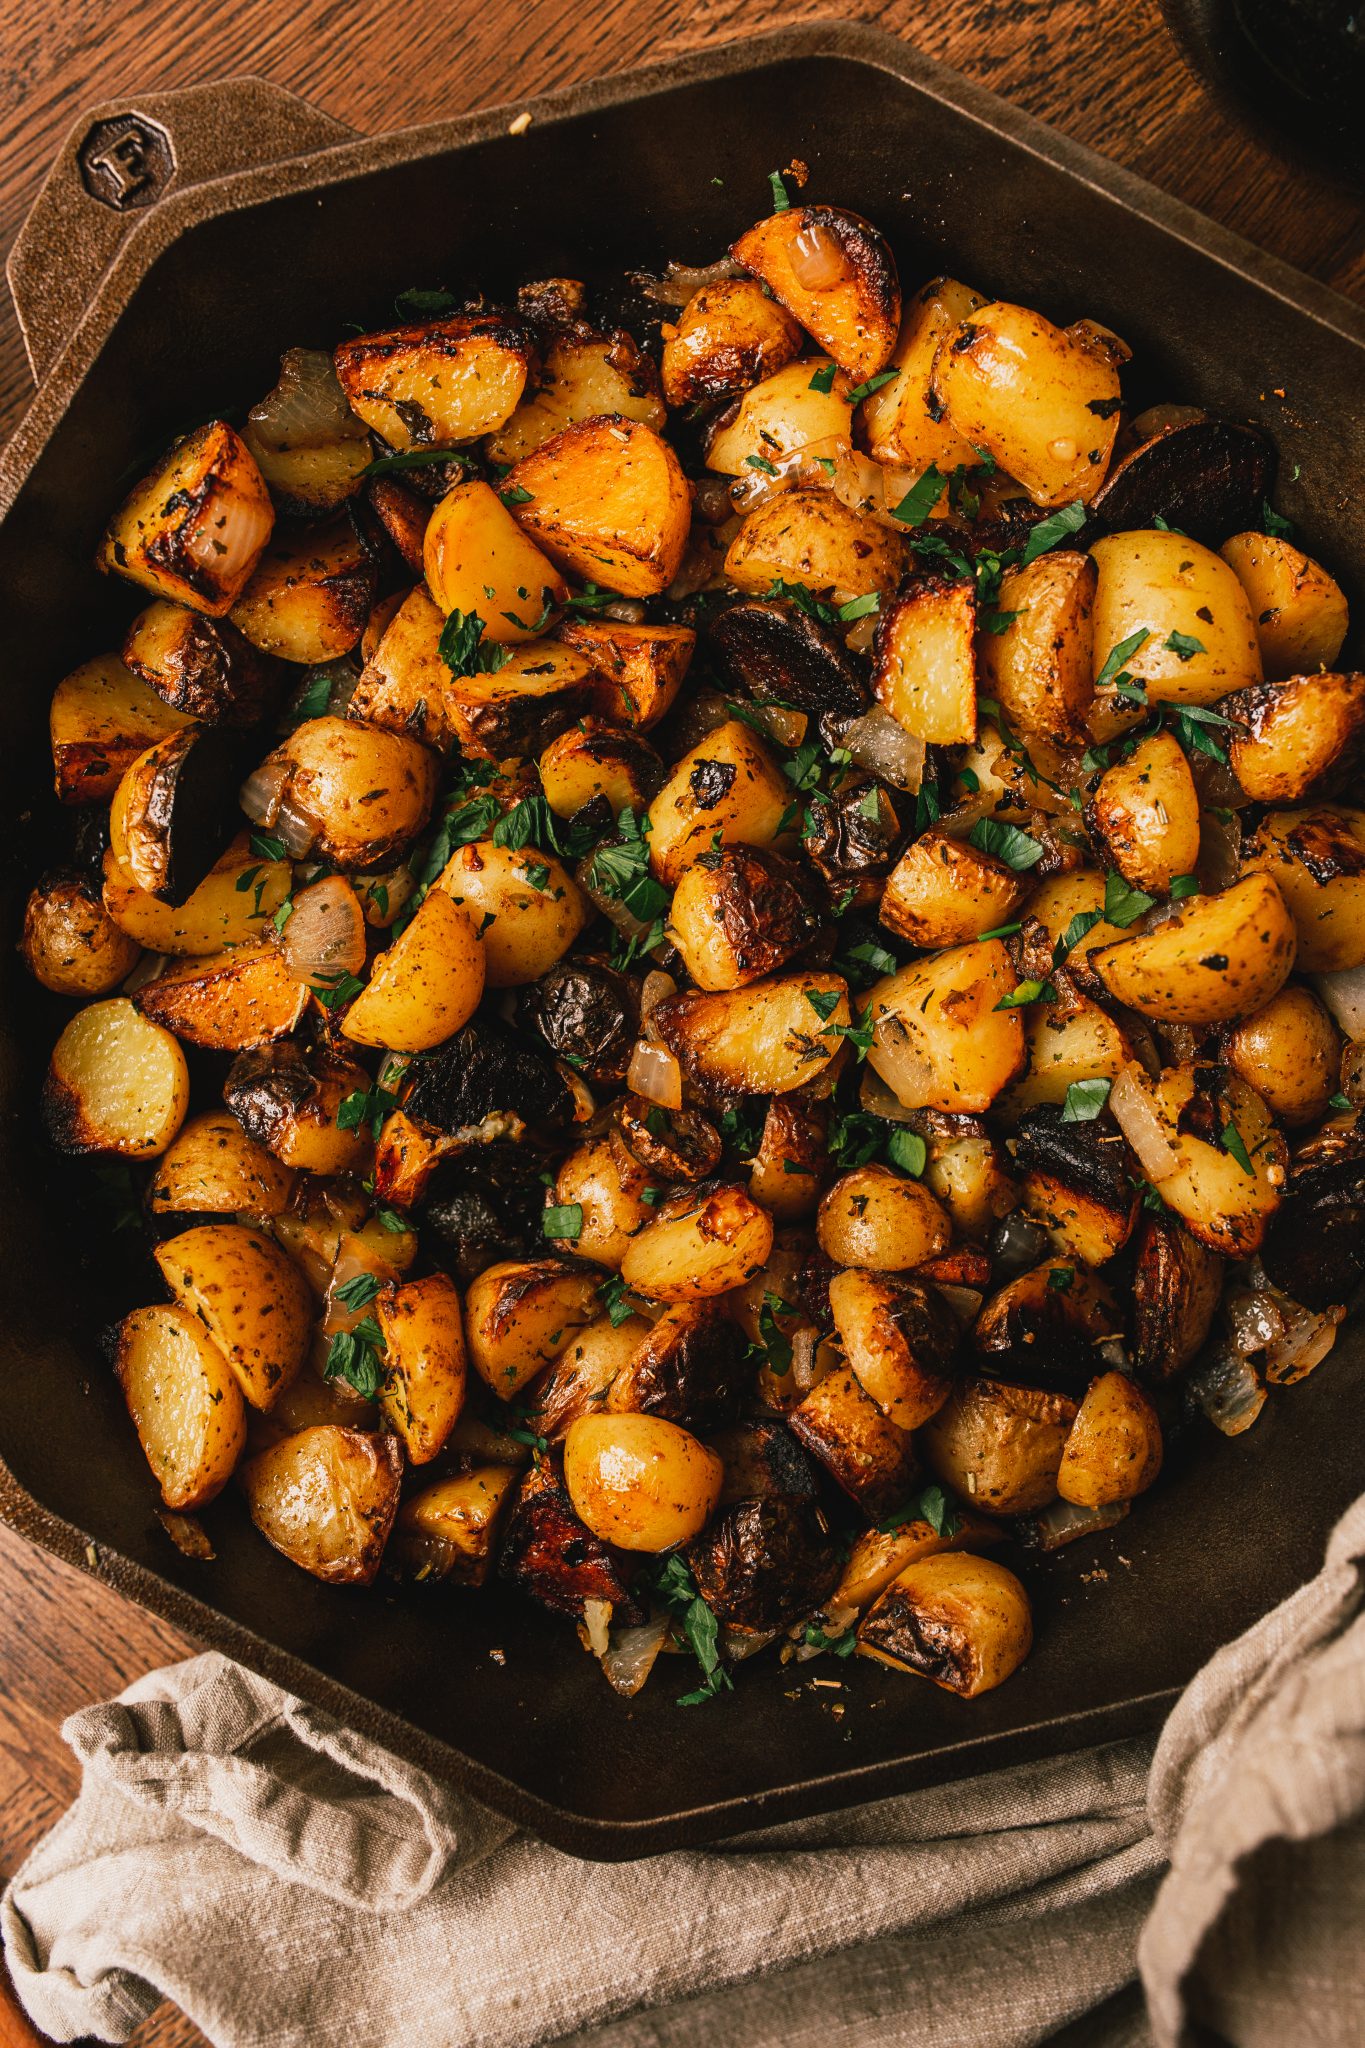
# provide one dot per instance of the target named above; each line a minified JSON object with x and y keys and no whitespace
{"x":784,"y":414}
{"x":969,"y":1175}
{"x":962,"y":1621}
{"x":521,"y":1313}
{"x":940,"y":1039}
{"x":186,"y":1406}
{"x":834,"y":274}
{"x":423,"y":1388}
{"x":250,"y":1297}
{"x":1040,"y":669}
{"x":593,"y":759}
{"x":1078,"y":1042}
{"x":1199,"y":638}
{"x":944,"y":891}
{"x":580,"y":1380}
{"x":102,"y":717}
{"x":232,"y":906}
{"x":608,"y":1188}
{"x":691,"y":1366}
{"x":1316,"y":858}
{"x":368,"y":793}
{"x":870,"y":1456}
{"x":812,"y":537}
{"x":1300,"y":611}
{"x":228,"y":1001}
{"x":789,"y":1164}
{"x":70,"y":943}
{"x":175,"y":810}
{"x":765,"y":1039}
{"x":739,"y":914}
{"x":478,"y":560}
{"x":426,"y":986}
{"x":1177,"y":1284}
{"x":1287,"y":736}
{"x":728,"y":784}
{"x":880,"y":1555}
{"x":310,"y":594}
{"x":924,"y":660}
{"x":1000,"y":1445}
{"x":289,"y":1101}
{"x":901,"y":1340}
{"x":702,"y":1242}
{"x":896,"y":420}
{"x":584,"y":377}
{"x":1224,"y":1206}
{"x":1114,"y":1449}
{"x":403,"y":684}
{"x":116,"y":1082}
{"x":728,"y":336}
{"x":195,"y":527}
{"x":539,"y":692}
{"x":1216,"y":959}
{"x":524,"y":907}
{"x":447,"y":1531}
{"x":212,"y":1168}
{"x":326,"y":1498}
{"x":609,"y":501}
{"x":203,"y":667}
{"x":1078,"y":1182}
{"x":638,"y":1481}
{"x":1145,"y":814}
{"x":437,"y":383}
{"x":637,"y":670}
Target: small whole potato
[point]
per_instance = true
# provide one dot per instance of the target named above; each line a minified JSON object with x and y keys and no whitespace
{"x":639,"y":1482}
{"x":703,"y":1242}
{"x":874,"y":1217}
{"x":1114,"y":1449}
{"x":604,"y":1182}
{"x":999,"y":1445}
{"x":1289,"y":1051}
{"x":71,"y":944}
{"x":525,"y":906}
{"x":367,"y":792}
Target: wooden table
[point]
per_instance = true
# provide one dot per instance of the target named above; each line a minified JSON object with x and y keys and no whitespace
{"x":1109,"y":75}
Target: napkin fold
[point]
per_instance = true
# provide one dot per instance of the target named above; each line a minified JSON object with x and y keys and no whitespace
{"x":285,"y":1882}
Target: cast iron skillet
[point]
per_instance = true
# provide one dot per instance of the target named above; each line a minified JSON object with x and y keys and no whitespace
{"x":195,"y":281}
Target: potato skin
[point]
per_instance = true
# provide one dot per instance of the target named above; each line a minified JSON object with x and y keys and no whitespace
{"x":900,"y":1339}
{"x":536,"y":908}
{"x":962,"y":1621}
{"x":116,"y":1083}
{"x":856,"y":317}
{"x":811,"y":537}
{"x":436,"y":383}
{"x":70,"y":944}
{"x":764,"y":1039}
{"x":608,"y":500}
{"x":424,"y":1358}
{"x":701,"y":1243}
{"x":249,"y":1295}
{"x":637,"y":671}
{"x":1224,"y":1206}
{"x":101,"y":718}
{"x":213,"y":1168}
{"x":520,"y":1314}
{"x":784,"y":415}
{"x":1217,"y":959}
{"x":738,"y":914}
{"x":688,"y":1367}
{"x":326,"y":1497}
{"x":728,"y":336}
{"x":218,"y":913}
{"x":473,"y":546}
{"x":310,"y":594}
{"x":727,"y":783}
{"x":404,"y":684}
{"x":1316,"y":858}
{"x":203,"y":667}
{"x":1040,"y":670}
{"x":870,"y":1456}
{"x":1289,"y":1051}
{"x":942,"y":1014}
{"x":1165,"y":585}
{"x":945,"y":891}
{"x":1300,"y":611}
{"x":639,"y":1482}
{"x":288,"y":1102}
{"x":595,"y":759}
{"x":1000,"y":1445}
{"x":607,"y":1185}
{"x":197,"y":524}
{"x":874,"y":1217}
{"x":895,"y":418}
{"x":369,"y":793}
{"x":1287,"y":736}
{"x":1145,"y":814}
{"x":186,"y":1406}
{"x":1114,"y":1449}
{"x":229,"y":1001}
{"x":447,"y":1530}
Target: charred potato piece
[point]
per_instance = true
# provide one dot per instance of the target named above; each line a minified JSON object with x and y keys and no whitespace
{"x":1041,"y":400}
{"x":479,"y":562}
{"x":404,"y":517}
{"x":999,"y":1445}
{"x":962,"y":1621}
{"x":288,"y":1101}
{"x":874,"y":1217}
{"x":116,"y":1083}
{"x":447,"y":1531}
{"x":175,"y":810}
{"x":870,"y":1456}
{"x":924,"y":660}
{"x":437,"y":383}
{"x":195,"y":527}
{"x":1114,"y":1449}
{"x":309,"y":446}
{"x":676,"y":1144}
{"x":804,"y":405}
{"x":326,"y":1498}
{"x":1207,"y":1117}
{"x":403,"y":684}
{"x":1316,"y":859}
{"x":727,"y":783}
{"x":761,"y":1564}
{"x":201,"y":666}
{"x":423,"y":1387}
{"x":812,"y":537}
{"x":1177,"y":1285}
{"x":604,"y":1184}
{"x":1037,"y":1328}
{"x":1145,"y":814}
{"x":1078,"y":1183}
{"x":637,"y":671}
{"x":249,"y":1295}
{"x":762,"y":1461}
{"x":1216,"y":959}
{"x":775,"y":653}
{"x":835,"y":275}
{"x":552,"y":1555}
{"x":584,"y":377}
{"x":738,"y":914}
{"x":520,"y":1314}
{"x":587,"y":1014}
{"x":727,"y":336}
{"x":1199,"y":638}
{"x":940,"y":1039}
{"x":639,"y":1482}
{"x":1204,"y":477}
{"x":579,"y":1381}
{"x":700,"y":1243}
{"x":1040,"y":669}
{"x":689,"y":1368}
{"x":900,"y":428}
{"x":1300,"y":611}
{"x":1287,"y":736}
{"x":594,"y":759}
{"x":901,"y":1340}
{"x":186,"y":1407}
{"x":765,"y":1039}
{"x":366,"y":793}
{"x":1289,"y":1051}
{"x":524,"y":906}
{"x":484,"y":1072}
{"x":517,"y":709}
{"x":70,"y":943}
{"x":1057,"y":903}
{"x":425,"y":986}
{"x":1315,"y":1245}
{"x":406,"y":1157}
{"x":310,"y":594}
{"x":101,"y":719}
{"x":212,"y":1168}
{"x":227,"y":1001}
{"x":789,"y":1163}
{"x":880,"y":1555}
{"x":944,"y":891}
{"x":1075,"y":1042}
{"x":608,"y":500}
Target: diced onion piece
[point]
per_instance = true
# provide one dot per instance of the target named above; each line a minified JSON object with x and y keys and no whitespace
{"x":1229,"y":1391}
{"x":965,"y":1302}
{"x":1254,"y":1320}
{"x":1018,"y":1243}
{"x":861,"y":634}
{"x":227,"y":549}
{"x":259,"y":796}
{"x":886,"y":750}
{"x":597,"y":1621}
{"x":739,"y":1644}
{"x":1344,"y":995}
{"x":149,"y":968}
{"x":630,"y":1659}
{"x":680,"y":280}
{"x":1062,"y":1523}
{"x":832,"y":1622}
{"x":804,"y":1343}
{"x":910,"y":1076}
{"x":655,"y":1074}
{"x":1138,"y":1118}
{"x":298,"y":831}
{"x":656,"y":988}
{"x":325,"y":935}
{"x":1306,"y":1342}
{"x":307,"y":408}
{"x":876,"y":1098}
{"x":817,"y":258}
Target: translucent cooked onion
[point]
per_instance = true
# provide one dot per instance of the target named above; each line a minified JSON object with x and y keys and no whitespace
{"x":1254,"y":1321}
{"x":627,"y":611}
{"x":259,"y":796}
{"x":861,"y":634}
{"x":656,"y":988}
{"x":876,"y":1098}
{"x":1138,"y":1118}
{"x":351,"y":1263}
{"x":886,"y":750}
{"x":227,"y":547}
{"x":1220,"y":853}
{"x":655,"y":1074}
{"x":1062,"y":1523}
{"x":597,"y":1622}
{"x":804,"y":1343}
{"x":630,"y":1659}
{"x":1017,"y":1244}
{"x":307,"y":408}
{"x":1344,"y":995}
{"x":817,"y":258}
{"x":1306,"y":1342}
{"x":295,"y":828}
{"x":325,"y":935}
{"x":739,"y":1644}
{"x":150,"y":967}
{"x":1228,"y":1389}
{"x":680,"y":280}
{"x":906,"y":1072}
{"x":965,"y":1302}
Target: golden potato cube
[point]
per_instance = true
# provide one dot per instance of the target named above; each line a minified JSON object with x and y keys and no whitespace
{"x":607,"y":499}
{"x":835,"y":274}
{"x":196,"y":526}
{"x":249,"y":1295}
{"x":326,"y":1498}
{"x":924,"y":660}
{"x":116,"y":1082}
{"x":437,"y":383}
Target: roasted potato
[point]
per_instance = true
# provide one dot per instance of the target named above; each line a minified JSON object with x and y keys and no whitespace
{"x":593,"y":759}
{"x":479,"y":561}
{"x":608,"y":1189}
{"x":422,"y":1391}
{"x":212,"y":1168}
{"x":116,"y":1082}
{"x":580,"y":1380}
{"x":874,"y":1217}
{"x":234,"y":904}
{"x":1114,"y":1449}
{"x":227,"y":1001}
{"x":1219,"y":957}
{"x":739,"y":914}
{"x":766,"y":1039}
{"x":70,"y":943}
{"x":608,"y":500}
{"x":195,"y":527}
{"x":326,"y":1498}
{"x":101,"y":719}
{"x":520,"y":1314}
{"x":186,"y":1406}
{"x":727,"y":784}
{"x":1300,"y":611}
{"x":289,"y":1100}
{"x":1316,"y":859}
{"x":803,"y":405}
{"x":310,"y":594}
{"x":203,"y":667}
{"x":403,"y":684}
{"x":962,"y":1621}
{"x":637,"y":671}
{"x":437,"y":383}
{"x":811,"y":537}
{"x":1289,"y":1051}
{"x":924,"y":659}
{"x":309,"y":446}
{"x":901,"y":1340}
{"x":1198,"y":638}
{"x":690,"y":1366}
{"x":968,"y":1172}
{"x":1043,"y":1326}
{"x":896,"y":419}
{"x":1077,"y":1181}
{"x":788,"y":1166}
{"x":540,"y":690}
{"x":871,"y":1457}
{"x":1177,"y":1282}
{"x":447,"y":1531}
{"x":524,"y":908}
{"x":999,"y":1445}
{"x":944,"y":891}
{"x":1286,"y":736}
{"x":940,"y":1038}
{"x":701,"y":1242}
{"x":583,"y":377}
{"x":728,"y":336}
{"x":366,"y":794}
{"x":1040,"y":668}
{"x":835,"y":275}
{"x":1078,"y":1042}
{"x":639,"y":1482}
{"x":249,"y":1295}
{"x":1145,"y":815}
{"x":175,"y":811}
{"x":426,"y":986}
{"x":1226,"y":1204}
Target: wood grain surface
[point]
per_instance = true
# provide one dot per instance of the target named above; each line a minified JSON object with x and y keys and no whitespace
{"x":1105,"y":73}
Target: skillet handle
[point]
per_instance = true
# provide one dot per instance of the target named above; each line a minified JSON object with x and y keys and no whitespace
{"x":114,"y":166}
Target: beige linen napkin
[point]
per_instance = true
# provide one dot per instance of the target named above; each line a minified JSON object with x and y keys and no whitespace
{"x":286,"y":1883}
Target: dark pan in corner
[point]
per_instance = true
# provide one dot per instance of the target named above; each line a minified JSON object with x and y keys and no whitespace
{"x":190,"y":300}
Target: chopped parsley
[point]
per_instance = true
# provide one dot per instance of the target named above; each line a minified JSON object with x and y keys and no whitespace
{"x":356,"y":1356}
{"x":1112,"y":672}
{"x":365,"y":1108}
{"x":907,"y":1150}
{"x":871,"y":384}
{"x":823,"y":380}
{"x":1123,"y":904}
{"x":1018,"y":850}
{"x":1182,"y":886}
{"x":824,"y":1001}
{"x":1184,"y":646}
{"x":1275,"y":523}
{"x":565,"y":1219}
{"x":334,"y":991}
{"x":1049,"y":531}
{"x":1026,"y":993}
{"x":415,"y":304}
{"x":414,"y":458}
{"x":463,"y":649}
{"x":781,"y":203}
{"x":1232,"y":1142}
{"x":921,"y":498}
{"x":359,"y":1292}
{"x":1084,"y":1101}
{"x":615,"y":1300}
{"x":932,"y":1505}
{"x":695,"y":1622}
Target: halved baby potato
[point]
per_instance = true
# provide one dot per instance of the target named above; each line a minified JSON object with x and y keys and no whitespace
{"x":201,"y":666}
{"x":1040,"y":669}
{"x":197,"y":524}
{"x":738,"y":914}
{"x":437,"y":383}
{"x":70,"y":943}
{"x":479,"y":561}
{"x":812,"y":537}
{"x":924,"y":659}
{"x":999,"y":1445}
{"x":900,"y":1339}
{"x":1286,"y":736}
{"x":447,"y":1530}
{"x":521,"y":1313}
{"x":289,"y":1101}
{"x":608,"y":500}
{"x":1145,"y":814}
{"x":1114,"y":1448}
{"x":727,"y":336}
{"x":940,"y":1038}
{"x":1219,"y":957}
{"x":423,"y":1388}
{"x":310,"y":594}
{"x":101,"y":718}
{"x":874,"y":1217}
{"x":427,"y":984}
{"x":787,"y":412}
{"x":186,"y":1406}
{"x":962,"y":1621}
{"x":116,"y":1082}
{"x":227,"y":1001}
{"x":900,"y":429}
{"x":608,"y":1188}
{"x":1219,"y":1201}
{"x":212,"y":1168}
{"x":175,"y":810}
{"x":944,"y":891}
{"x":702,"y":1242}
{"x":1316,"y":858}
{"x":524,"y":908}
{"x":834,"y":273}
{"x":249,"y":1295}
{"x":538,"y":692}
{"x":593,"y":759}
{"x":1300,"y":611}
{"x":366,"y":793}
{"x":326,"y":1498}
{"x":764,"y":1039}
{"x":1196,"y":636}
